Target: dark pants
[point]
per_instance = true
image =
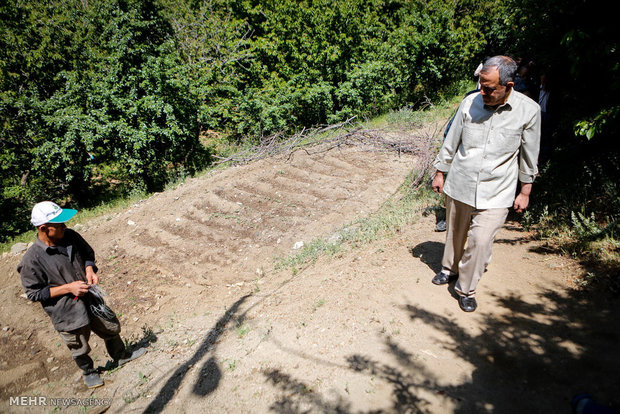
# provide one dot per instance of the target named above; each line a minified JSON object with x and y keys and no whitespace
{"x":77,"y":341}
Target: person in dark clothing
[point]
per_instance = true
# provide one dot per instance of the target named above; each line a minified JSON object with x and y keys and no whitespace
{"x":545,"y":100}
{"x":59,"y":271}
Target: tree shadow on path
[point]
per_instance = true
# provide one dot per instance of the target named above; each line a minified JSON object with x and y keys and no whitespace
{"x":404,"y":380}
{"x":534,"y":357}
{"x":526,"y":357}
{"x":430,"y":253}
{"x":210,"y":374}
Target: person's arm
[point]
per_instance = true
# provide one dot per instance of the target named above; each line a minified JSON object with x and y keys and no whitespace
{"x":528,"y":162}
{"x":451,"y":143}
{"x":88,"y":254}
{"x":33,"y":279}
{"x":77,"y":288}
{"x":37,"y":286}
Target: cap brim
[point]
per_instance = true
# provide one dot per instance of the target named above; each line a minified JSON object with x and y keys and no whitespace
{"x":66,"y":215}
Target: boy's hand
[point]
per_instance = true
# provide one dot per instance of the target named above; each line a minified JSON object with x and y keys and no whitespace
{"x":78,"y":288}
{"x":91,"y":276}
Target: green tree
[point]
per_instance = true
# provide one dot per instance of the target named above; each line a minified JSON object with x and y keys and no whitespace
{"x":86,"y":88}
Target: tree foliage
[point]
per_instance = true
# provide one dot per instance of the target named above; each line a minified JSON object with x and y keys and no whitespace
{"x":114,"y":95}
{"x":91,"y":92}
{"x":101,"y":97}
{"x":577,"y":46}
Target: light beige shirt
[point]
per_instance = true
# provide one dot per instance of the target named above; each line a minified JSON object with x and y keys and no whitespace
{"x":488,"y":150}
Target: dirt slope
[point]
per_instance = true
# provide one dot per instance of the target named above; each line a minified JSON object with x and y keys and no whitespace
{"x":362,"y":332}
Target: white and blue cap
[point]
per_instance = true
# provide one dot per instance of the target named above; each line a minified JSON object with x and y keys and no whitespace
{"x":48,"y":212}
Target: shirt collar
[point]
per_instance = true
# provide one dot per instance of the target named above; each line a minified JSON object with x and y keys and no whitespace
{"x":506,"y":106}
{"x":39,"y":243}
{"x":65,"y":250}
{"x":510,"y":102}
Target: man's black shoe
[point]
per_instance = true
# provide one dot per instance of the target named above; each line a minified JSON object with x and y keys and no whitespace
{"x":468,"y":304}
{"x":441,"y":278}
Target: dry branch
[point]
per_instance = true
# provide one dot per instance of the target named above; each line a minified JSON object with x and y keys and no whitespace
{"x":348,"y":133}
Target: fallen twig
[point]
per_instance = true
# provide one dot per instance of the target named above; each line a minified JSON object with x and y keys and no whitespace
{"x":323,"y":139}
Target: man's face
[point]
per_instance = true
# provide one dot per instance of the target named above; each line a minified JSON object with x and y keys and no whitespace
{"x":492,"y":92}
{"x":54,"y":231}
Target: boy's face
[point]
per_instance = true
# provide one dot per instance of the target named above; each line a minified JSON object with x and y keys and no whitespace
{"x":54,"y":231}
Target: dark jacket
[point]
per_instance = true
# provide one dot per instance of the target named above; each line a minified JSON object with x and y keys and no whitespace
{"x":43,"y":267}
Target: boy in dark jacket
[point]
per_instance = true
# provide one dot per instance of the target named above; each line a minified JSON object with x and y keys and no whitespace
{"x":58,"y":271}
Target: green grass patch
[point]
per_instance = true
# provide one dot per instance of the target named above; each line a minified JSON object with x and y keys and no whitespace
{"x":594,"y":243}
{"x":26,"y":237}
{"x":242,"y":330}
{"x":401,"y":210}
{"x":409,"y":118}
{"x":82,"y":216}
{"x":318,"y":304}
{"x":309,"y":253}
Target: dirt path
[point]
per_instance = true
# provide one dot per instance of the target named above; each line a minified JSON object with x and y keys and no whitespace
{"x":364,"y":331}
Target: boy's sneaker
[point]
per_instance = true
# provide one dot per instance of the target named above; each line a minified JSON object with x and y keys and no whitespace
{"x":130,"y":356}
{"x":93,"y":380}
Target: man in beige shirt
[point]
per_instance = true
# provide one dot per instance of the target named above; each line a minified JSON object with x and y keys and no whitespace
{"x":492,"y":144}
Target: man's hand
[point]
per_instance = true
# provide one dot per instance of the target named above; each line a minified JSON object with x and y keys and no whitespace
{"x":521,"y":203}
{"x":438,"y":182}
{"x":523,"y":199}
{"x":91,"y":276}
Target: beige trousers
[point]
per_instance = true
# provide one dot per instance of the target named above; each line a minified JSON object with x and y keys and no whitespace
{"x":478,"y":228}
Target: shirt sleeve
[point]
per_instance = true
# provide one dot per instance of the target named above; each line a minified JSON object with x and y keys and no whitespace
{"x":451,"y":143}
{"x":87,"y":252}
{"x":530,"y":146}
{"x":34,"y":281}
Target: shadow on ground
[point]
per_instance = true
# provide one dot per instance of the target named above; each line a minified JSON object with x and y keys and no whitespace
{"x":210,"y":373}
{"x":148,"y":337}
{"x":534,"y":357}
{"x":529,"y":357}
{"x":429,"y":253}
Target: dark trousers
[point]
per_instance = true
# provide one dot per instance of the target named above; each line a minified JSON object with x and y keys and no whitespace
{"x":77,"y":341}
